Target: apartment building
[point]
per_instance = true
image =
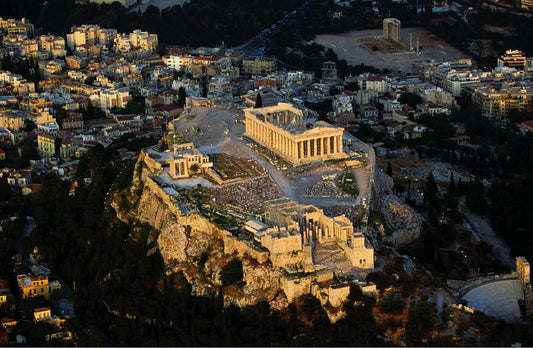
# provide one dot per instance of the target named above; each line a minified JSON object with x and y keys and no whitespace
{"x":255,"y":65}
{"x":31,"y":285}
{"x":138,"y":42}
{"x":90,"y":34}
{"x":179,"y":59}
{"x":112,"y":97}
{"x":46,"y":145}
{"x":14,"y":27}
{"x":497,"y":103}
{"x":513,"y":59}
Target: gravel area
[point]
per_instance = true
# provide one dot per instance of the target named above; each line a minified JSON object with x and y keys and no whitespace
{"x":368,"y":47}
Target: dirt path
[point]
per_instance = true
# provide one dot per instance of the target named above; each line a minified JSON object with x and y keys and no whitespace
{"x":501,"y":250}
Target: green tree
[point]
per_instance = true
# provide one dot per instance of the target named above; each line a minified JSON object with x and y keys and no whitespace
{"x":451,"y":186}
{"x":231,"y":273}
{"x":421,"y":320}
{"x":411,"y":99}
{"x":431,"y":187}
{"x":258,"y":101}
{"x":29,"y":125}
{"x":61,"y":114}
{"x":331,"y":55}
{"x":176,"y":75}
{"x":195,"y":168}
{"x":90,"y":80}
{"x":393,"y":305}
{"x":133,"y":107}
{"x":182,"y":97}
{"x":389,"y":169}
{"x":5,"y":192}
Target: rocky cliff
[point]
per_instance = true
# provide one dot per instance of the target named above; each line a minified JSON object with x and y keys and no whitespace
{"x":194,"y":245}
{"x":405,"y":222}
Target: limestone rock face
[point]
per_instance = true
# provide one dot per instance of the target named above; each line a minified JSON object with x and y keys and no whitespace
{"x":406,"y":222}
{"x":195,"y":246}
{"x":261,"y":283}
{"x":172,"y":238}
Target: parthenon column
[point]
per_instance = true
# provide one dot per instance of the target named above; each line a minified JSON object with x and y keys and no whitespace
{"x":339,"y":143}
{"x":291,"y":148}
{"x":300,"y":150}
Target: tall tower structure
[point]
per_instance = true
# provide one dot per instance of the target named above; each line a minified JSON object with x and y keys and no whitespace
{"x":329,"y":70}
{"x":392,"y":29}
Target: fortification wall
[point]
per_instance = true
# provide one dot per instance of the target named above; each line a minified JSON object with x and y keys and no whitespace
{"x":296,"y":287}
{"x":283,"y":244}
{"x":161,"y":195}
{"x":151,"y":163}
{"x":360,"y":257}
{"x":290,"y":260}
{"x":337,"y":295}
{"x":232,"y":244}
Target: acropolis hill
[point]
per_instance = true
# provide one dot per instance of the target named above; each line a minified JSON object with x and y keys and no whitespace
{"x":287,"y":195}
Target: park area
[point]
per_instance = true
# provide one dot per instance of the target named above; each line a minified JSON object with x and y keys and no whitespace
{"x":161,"y":4}
{"x":370,"y":48}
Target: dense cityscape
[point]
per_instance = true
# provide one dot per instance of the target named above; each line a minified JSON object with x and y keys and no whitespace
{"x":197,"y":173}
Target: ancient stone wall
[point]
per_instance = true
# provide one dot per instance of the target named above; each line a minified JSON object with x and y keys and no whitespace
{"x":162,"y":196}
{"x":360,"y":257}
{"x":151,"y":163}
{"x":282,"y":244}
{"x":292,"y":260}
{"x":338,"y":294}
{"x":232,"y":244}
{"x":294,"y":287}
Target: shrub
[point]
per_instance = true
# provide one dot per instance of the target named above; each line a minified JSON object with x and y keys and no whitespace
{"x":231,"y":273}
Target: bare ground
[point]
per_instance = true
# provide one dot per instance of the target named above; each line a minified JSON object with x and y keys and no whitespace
{"x":369,"y":47}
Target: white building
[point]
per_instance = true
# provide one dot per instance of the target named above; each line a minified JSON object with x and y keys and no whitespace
{"x":90,"y":34}
{"x":112,"y":97}
{"x":140,"y":42}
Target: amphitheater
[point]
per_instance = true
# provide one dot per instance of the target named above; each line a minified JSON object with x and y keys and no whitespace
{"x":498,"y":298}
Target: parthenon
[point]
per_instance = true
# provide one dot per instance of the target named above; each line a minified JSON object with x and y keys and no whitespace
{"x":281,"y":128}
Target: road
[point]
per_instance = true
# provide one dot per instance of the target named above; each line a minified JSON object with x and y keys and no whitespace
{"x":30,"y":225}
{"x":264,"y":36}
{"x":501,"y":250}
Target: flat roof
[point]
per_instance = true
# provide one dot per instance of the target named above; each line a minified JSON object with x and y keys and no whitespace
{"x":171,"y":191}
